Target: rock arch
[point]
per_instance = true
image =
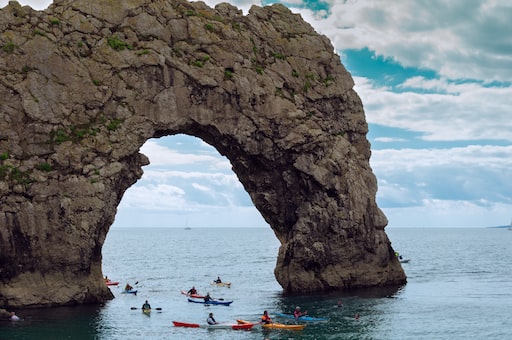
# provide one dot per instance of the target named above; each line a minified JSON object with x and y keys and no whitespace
{"x":84,"y":85}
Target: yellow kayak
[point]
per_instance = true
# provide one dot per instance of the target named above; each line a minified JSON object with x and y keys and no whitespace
{"x":283,"y":326}
{"x":221,"y":284}
{"x":275,"y":325}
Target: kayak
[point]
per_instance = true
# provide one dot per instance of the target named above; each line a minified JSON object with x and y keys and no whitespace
{"x":302,"y":318}
{"x":275,"y":325}
{"x":199,"y":296}
{"x":146,"y":311}
{"x":225,"y":325}
{"x":131,"y":291}
{"x":221,"y":284}
{"x":211,"y":302}
{"x":111,"y":283}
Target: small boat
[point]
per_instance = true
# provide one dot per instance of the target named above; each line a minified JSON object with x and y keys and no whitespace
{"x":275,"y":325}
{"x":129,"y":291}
{"x":198,"y":296}
{"x":146,"y":311}
{"x":302,"y":318}
{"x":211,"y":302}
{"x":221,"y":284}
{"x":223,"y":325}
{"x":111,"y":283}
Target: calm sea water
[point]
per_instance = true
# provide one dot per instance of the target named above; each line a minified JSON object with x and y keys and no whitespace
{"x":459,"y":287}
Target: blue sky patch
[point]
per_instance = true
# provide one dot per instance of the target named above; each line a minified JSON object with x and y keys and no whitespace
{"x":382,"y":71}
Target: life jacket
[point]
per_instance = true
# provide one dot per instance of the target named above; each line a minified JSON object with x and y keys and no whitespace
{"x":266,"y":319}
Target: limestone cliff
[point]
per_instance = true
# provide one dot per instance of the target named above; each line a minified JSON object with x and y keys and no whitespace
{"x":85,"y":83}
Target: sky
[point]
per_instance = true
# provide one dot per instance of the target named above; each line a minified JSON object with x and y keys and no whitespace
{"x":435,"y":81}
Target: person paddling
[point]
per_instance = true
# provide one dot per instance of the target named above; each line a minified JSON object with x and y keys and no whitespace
{"x":207,"y":297}
{"x":265,"y":318}
{"x":146,"y":305}
{"x":297,"y":312}
{"x":192,"y":291}
{"x":211,"y":319}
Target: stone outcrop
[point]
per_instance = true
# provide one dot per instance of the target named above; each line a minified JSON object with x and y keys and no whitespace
{"x":84,"y":84}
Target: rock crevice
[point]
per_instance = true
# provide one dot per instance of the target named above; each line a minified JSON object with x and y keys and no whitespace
{"x":84,"y":85}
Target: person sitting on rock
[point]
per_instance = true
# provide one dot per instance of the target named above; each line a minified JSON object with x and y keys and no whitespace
{"x":4,"y":313}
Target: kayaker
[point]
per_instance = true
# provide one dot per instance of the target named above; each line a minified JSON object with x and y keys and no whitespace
{"x":211,"y":319}
{"x":128,"y":287}
{"x":207,"y":297}
{"x":357,"y":316}
{"x":192,"y":291}
{"x":218,"y":280}
{"x":265,"y":318}
{"x":146,"y":305}
{"x":297,"y":312}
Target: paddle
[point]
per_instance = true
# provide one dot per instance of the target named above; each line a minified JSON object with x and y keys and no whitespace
{"x":134,"y":308}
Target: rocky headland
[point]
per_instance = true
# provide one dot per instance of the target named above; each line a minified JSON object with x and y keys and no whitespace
{"x":84,"y":84}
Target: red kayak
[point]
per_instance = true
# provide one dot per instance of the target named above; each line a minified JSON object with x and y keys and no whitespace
{"x":198,"y":296}
{"x":111,"y":283}
{"x":226,"y":325}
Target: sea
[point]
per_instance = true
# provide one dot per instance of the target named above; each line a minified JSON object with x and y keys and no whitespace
{"x":459,"y":287}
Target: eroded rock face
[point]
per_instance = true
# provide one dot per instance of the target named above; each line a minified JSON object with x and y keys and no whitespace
{"x":84,"y":84}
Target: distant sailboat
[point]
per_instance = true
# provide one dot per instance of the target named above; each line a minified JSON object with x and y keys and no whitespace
{"x":510,"y":226}
{"x":186,"y":226}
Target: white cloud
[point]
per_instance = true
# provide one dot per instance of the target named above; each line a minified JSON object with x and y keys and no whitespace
{"x":439,"y":184}
{"x":35,"y":4}
{"x":466,"y":112}
{"x":390,"y":139}
{"x":162,"y":156}
{"x":460,"y":39}
{"x":154,"y":197}
{"x":444,"y":213}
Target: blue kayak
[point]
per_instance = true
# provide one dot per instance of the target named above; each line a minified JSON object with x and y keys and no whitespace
{"x":211,"y":302}
{"x":131,"y":291}
{"x":302,"y":318}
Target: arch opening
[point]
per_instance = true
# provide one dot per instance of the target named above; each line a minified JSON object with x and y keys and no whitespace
{"x":186,"y":183}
